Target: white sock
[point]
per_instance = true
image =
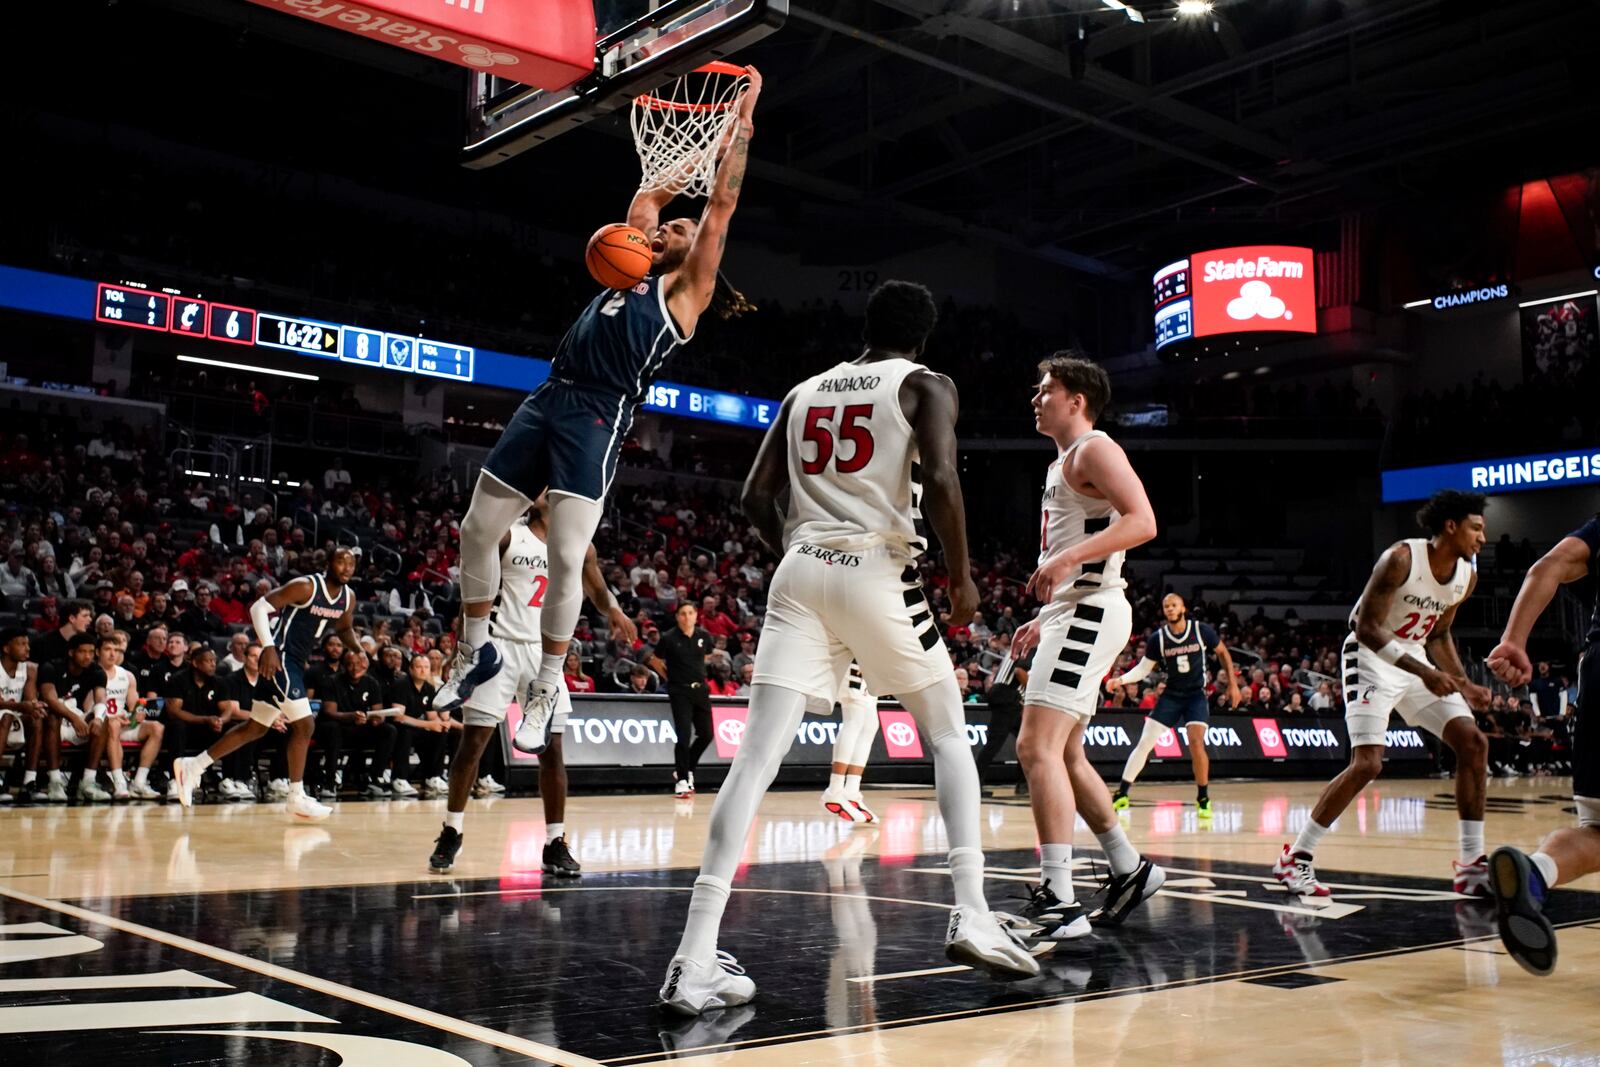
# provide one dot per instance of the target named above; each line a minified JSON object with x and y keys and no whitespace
{"x":296,"y":790}
{"x":141,"y":775}
{"x":1055,"y":871}
{"x":1546,"y":866}
{"x":119,"y":779}
{"x":966,"y":871}
{"x":555,"y":830}
{"x":28,"y":777}
{"x":836,"y":782}
{"x":550,"y":666}
{"x":710,"y":897}
{"x":852,"y":785}
{"x":474,"y":629}
{"x":456,"y":820}
{"x":1120,"y":853}
{"x":1311,"y":836}
{"x":202,"y":761}
{"x":57,"y":776}
{"x":1471,"y":840}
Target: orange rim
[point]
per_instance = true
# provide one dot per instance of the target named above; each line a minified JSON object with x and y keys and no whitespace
{"x":716,"y":66}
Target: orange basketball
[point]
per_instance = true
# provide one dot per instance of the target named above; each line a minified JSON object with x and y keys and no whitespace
{"x":618,"y":256}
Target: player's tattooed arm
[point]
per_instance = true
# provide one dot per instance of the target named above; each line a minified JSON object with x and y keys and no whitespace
{"x":695,"y":282}
{"x":768,"y":477}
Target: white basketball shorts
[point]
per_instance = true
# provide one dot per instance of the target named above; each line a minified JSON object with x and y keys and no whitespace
{"x":1078,"y":644}
{"x":1373,"y":688}
{"x":513,"y":683}
{"x":827,"y":606}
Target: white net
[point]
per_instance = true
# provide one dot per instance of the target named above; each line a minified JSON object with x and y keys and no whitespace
{"x":679,"y":129}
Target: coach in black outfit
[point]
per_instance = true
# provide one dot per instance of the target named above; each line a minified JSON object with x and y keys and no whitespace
{"x":343,"y":724}
{"x":680,"y":657}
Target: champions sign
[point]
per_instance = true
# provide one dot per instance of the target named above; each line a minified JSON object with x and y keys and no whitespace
{"x":1252,"y":288}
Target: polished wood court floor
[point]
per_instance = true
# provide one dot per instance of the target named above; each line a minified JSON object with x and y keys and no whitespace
{"x":224,"y":934}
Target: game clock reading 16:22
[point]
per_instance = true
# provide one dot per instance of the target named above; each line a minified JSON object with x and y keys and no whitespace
{"x":298,"y":335}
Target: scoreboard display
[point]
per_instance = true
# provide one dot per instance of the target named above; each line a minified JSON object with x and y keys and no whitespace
{"x":1249,"y":289}
{"x":171,"y":312}
{"x":129,"y":306}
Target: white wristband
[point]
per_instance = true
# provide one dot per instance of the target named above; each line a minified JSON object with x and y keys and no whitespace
{"x":1393,"y":652}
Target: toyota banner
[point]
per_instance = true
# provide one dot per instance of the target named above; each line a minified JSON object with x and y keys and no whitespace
{"x":627,"y":731}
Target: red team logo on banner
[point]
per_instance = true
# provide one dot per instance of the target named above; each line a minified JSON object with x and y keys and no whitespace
{"x":728,"y":726}
{"x":1271,"y":738}
{"x":900,"y":735}
{"x":1255,"y":287}
{"x":1167,"y":746}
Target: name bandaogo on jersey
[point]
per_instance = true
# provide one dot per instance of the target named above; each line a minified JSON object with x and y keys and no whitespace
{"x":1418,"y":604}
{"x":855,"y":474}
{"x":524,"y":580}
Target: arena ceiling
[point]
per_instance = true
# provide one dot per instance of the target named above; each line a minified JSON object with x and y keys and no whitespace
{"x":1058,"y":127}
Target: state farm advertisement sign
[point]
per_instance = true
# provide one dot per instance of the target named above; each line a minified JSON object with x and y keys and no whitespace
{"x":1255,"y":287}
{"x":549,"y":44}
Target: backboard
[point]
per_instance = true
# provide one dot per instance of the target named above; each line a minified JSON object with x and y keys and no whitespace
{"x":640,"y":45}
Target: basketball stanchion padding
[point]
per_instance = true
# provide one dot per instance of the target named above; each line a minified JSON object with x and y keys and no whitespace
{"x":548,"y":44}
{"x":679,"y":129}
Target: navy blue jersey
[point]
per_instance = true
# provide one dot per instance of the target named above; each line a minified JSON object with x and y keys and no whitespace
{"x":300,"y":627}
{"x":620,"y":341}
{"x":1182,"y":656}
{"x":1589,"y":534}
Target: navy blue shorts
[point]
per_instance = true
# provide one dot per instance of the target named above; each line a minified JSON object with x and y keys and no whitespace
{"x":1174,"y":709}
{"x":289,"y":683}
{"x":565,"y":438}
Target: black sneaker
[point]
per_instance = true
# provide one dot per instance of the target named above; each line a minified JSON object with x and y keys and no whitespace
{"x":558,"y":859}
{"x":1127,"y":891}
{"x":1519,"y":893}
{"x":445,"y":848}
{"x":1043,"y":911}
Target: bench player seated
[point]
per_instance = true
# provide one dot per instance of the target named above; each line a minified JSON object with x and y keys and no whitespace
{"x":126,"y":722}
{"x":73,"y":691}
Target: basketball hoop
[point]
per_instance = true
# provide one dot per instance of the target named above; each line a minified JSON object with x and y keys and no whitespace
{"x":679,"y":129}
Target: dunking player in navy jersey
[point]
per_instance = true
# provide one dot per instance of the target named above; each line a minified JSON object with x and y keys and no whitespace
{"x":306,"y":608}
{"x":1179,"y":648}
{"x":1518,"y":881}
{"x":566,"y":436}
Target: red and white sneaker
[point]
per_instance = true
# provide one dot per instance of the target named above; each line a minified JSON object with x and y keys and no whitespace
{"x":1472,"y":879}
{"x":834,"y":802}
{"x":864,"y":814}
{"x":1297,"y":874}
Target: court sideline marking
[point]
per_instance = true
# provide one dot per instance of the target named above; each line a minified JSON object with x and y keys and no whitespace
{"x":408,"y":1012}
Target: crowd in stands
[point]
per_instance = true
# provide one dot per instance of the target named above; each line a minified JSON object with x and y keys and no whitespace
{"x":172,"y":563}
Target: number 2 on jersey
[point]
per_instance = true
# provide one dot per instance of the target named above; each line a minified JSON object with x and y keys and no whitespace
{"x":1412,"y":618}
{"x":540,"y":584}
{"x":817,"y":433}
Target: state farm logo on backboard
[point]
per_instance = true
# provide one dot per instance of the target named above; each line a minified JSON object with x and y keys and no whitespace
{"x":900,"y":735}
{"x":728,"y":726}
{"x":1167,"y":746}
{"x":1271,"y":738}
{"x":1254,"y":287}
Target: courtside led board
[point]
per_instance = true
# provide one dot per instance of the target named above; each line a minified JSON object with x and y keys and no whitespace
{"x":1249,"y":289}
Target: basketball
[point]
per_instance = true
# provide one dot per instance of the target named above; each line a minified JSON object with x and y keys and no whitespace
{"x":618,"y":256}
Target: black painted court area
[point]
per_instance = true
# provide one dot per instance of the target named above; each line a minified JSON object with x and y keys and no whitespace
{"x":577,"y":966}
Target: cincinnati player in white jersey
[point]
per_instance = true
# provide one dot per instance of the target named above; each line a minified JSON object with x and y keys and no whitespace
{"x":858,"y":725}
{"x":126,"y":723}
{"x":21,"y":711}
{"x":1094,"y":510}
{"x":848,"y":444}
{"x":524,"y":583}
{"x":1400,"y":656}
